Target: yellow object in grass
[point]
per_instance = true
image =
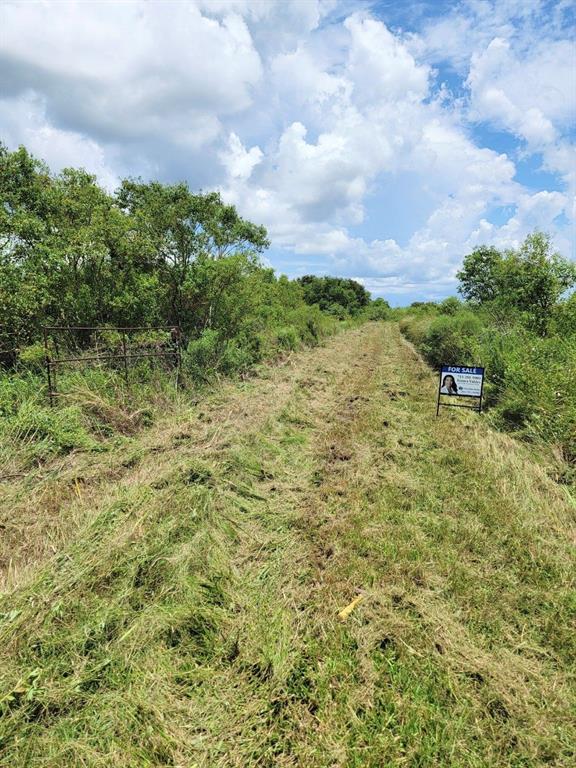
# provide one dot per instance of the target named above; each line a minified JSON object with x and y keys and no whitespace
{"x":345,"y":612}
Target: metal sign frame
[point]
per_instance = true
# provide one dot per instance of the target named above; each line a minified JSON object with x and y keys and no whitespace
{"x":52,"y":362}
{"x":440,"y":403}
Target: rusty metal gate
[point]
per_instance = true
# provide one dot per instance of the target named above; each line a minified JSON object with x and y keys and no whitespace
{"x":128,"y":353}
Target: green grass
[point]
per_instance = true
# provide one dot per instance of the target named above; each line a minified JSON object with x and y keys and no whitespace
{"x":529,"y":388}
{"x":189,"y":615}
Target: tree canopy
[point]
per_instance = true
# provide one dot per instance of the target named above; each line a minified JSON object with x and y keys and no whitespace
{"x":338,"y":295}
{"x":73,"y":253}
{"x":529,"y":280}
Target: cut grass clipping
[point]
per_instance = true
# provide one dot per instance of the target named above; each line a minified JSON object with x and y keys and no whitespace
{"x":190,"y":613}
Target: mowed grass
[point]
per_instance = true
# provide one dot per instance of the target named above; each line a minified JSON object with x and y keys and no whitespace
{"x":190,"y":617}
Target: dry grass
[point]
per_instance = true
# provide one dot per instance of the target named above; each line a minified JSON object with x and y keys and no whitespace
{"x":189,"y":615}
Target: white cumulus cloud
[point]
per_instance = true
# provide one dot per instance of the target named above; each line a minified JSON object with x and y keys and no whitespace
{"x":312,"y":116}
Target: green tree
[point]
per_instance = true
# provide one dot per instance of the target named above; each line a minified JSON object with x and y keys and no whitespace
{"x":534,"y":278}
{"x":71,"y":253}
{"x":336,"y":295}
{"x":480,"y":274}
{"x":378,"y":309}
{"x":530,"y":280}
{"x":180,"y":233}
{"x":25,"y":186}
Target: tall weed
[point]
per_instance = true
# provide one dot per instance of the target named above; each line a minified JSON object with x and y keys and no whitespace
{"x":529,"y":379}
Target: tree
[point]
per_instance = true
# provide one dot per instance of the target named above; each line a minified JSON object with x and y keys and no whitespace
{"x":378,"y":309}
{"x":337,"y":295}
{"x":530,"y":280}
{"x":25,"y":191}
{"x":73,"y":254}
{"x":180,"y":233}
{"x":534,"y":278}
{"x":479,"y":276}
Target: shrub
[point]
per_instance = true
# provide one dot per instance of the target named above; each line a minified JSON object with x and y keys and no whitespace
{"x":33,"y":357}
{"x":202,"y":355}
{"x":288,"y":337}
{"x":415,"y":328}
{"x":239,"y":355}
{"x":564,"y":319}
{"x":17,"y":389}
{"x":450,"y":306}
{"x":452,"y":340}
{"x":379,"y":309}
{"x":529,"y":379}
{"x":313,"y":325}
{"x":537,"y":394}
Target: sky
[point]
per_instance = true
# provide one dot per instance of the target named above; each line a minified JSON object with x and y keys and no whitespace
{"x":381,"y":141}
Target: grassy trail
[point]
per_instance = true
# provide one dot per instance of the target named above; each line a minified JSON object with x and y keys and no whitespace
{"x":188,"y":615}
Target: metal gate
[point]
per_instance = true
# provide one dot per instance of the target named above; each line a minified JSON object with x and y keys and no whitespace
{"x":128,"y":352}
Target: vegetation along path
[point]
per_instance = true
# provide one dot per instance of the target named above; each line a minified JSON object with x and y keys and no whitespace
{"x":181,"y":607}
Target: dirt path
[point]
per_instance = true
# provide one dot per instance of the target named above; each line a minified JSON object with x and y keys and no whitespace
{"x":191,"y":615}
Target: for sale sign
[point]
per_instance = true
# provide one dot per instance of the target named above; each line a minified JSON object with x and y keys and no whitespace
{"x":460,"y":381}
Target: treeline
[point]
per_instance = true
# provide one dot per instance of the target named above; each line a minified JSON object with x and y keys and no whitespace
{"x":72,"y":253}
{"x":342,"y":297}
{"x":518,"y":319}
{"x":147,"y":254}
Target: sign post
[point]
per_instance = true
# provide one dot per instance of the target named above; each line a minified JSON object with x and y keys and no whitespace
{"x":460,"y":381}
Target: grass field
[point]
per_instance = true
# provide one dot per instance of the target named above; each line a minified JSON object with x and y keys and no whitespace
{"x":174,"y":600}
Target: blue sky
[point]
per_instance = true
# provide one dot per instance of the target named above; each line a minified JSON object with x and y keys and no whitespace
{"x":377,"y":140}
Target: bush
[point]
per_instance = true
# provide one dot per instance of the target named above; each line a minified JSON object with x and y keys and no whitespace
{"x":564,"y":318}
{"x":202,"y":355}
{"x":500,"y":351}
{"x":537,"y":394}
{"x":288,"y":337}
{"x":529,"y":379}
{"x":239,"y":355}
{"x":379,"y":309}
{"x":453,"y":340}
{"x":450,"y":306}
{"x":17,"y":389}
{"x":313,"y":325}
{"x":210,"y":355}
{"x":33,"y":357}
{"x":415,"y":328}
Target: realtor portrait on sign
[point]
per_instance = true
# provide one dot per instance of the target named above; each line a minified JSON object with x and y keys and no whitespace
{"x":449,"y":386}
